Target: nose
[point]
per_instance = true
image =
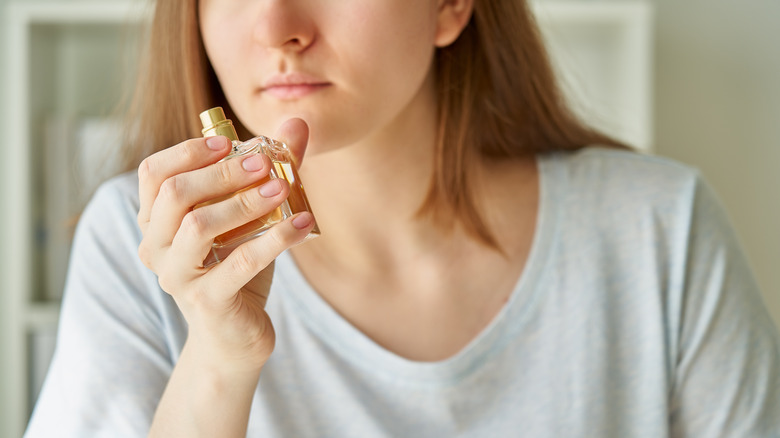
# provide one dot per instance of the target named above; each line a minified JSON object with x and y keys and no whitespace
{"x":285,"y":25}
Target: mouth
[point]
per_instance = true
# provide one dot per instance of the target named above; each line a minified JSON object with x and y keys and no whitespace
{"x":291,"y":86}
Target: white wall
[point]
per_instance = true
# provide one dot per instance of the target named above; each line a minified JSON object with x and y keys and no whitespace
{"x":717,"y":107}
{"x":4,"y":86}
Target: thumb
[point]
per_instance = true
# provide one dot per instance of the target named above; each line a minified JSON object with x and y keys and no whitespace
{"x":295,"y":134}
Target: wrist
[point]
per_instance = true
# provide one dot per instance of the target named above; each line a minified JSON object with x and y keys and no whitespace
{"x":220,"y":362}
{"x":206,"y":396}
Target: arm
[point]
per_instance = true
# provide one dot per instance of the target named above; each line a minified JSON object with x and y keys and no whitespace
{"x":205,"y":398}
{"x":230,"y":337}
{"x":118,"y":333}
{"x":727,"y":377}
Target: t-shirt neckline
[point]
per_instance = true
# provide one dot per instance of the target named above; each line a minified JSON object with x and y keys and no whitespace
{"x":356,"y":348}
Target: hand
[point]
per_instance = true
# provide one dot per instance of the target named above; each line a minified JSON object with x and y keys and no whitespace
{"x":223,"y":304}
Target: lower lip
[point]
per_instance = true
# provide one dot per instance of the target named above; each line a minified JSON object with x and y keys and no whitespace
{"x":287,"y":92}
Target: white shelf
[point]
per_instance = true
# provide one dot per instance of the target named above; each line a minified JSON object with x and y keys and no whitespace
{"x":56,"y":51}
{"x":42,"y":316}
{"x":80,"y":12}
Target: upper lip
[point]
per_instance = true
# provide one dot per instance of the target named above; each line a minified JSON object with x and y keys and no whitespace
{"x":292,"y":79}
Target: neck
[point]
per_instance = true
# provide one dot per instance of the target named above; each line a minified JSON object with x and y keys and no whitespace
{"x":365,"y":196}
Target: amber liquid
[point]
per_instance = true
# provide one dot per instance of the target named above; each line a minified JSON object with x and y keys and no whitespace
{"x":296,"y":202}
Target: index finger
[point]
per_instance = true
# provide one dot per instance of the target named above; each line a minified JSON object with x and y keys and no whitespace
{"x":188,"y":155}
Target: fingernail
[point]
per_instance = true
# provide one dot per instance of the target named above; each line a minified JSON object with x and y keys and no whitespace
{"x":271,"y":188}
{"x":303,"y":220}
{"x":216,"y":143}
{"x":253,"y":163}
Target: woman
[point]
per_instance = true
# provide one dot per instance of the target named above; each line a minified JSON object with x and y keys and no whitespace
{"x":481,"y":271}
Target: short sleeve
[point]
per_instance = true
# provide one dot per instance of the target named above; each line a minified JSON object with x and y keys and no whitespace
{"x":115,"y":346}
{"x":727,"y":375}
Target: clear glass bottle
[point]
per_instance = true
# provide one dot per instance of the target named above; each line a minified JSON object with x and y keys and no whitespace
{"x":215,"y":123}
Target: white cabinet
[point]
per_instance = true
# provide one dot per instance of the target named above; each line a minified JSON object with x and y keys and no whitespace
{"x":603,"y":51}
{"x":67,"y":62}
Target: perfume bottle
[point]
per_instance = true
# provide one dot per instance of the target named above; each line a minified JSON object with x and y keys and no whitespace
{"x":215,"y":123}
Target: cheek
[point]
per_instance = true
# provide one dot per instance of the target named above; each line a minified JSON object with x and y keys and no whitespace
{"x":223,"y":44}
{"x":210,"y":16}
{"x":387,"y":43}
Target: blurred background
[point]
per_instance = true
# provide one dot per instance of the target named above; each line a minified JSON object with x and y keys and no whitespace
{"x":696,"y":81}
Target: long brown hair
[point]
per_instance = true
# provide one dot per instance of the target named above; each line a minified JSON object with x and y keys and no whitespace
{"x":497,"y":94}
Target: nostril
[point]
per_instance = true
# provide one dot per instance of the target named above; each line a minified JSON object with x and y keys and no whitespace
{"x":294,"y":42}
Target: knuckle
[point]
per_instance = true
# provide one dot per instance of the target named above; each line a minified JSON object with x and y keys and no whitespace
{"x":224,"y":173}
{"x":188,"y":150}
{"x":169,"y":280}
{"x":145,"y":254}
{"x":279,"y":238}
{"x":172,"y":283}
{"x":145,"y":169}
{"x":170,"y":188}
{"x":243,"y":260}
{"x":246,"y":204}
{"x":195,"y":223}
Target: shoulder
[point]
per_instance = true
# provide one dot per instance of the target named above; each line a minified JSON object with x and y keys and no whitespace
{"x":119,"y":190}
{"x":635,"y":170}
{"x":108,"y":222}
{"x":115,"y":199}
{"x":624,"y":181}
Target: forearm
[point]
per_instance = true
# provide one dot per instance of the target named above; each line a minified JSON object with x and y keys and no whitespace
{"x":205,"y":398}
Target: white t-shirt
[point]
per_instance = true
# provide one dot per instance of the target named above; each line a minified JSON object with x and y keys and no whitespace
{"x":636,"y":316}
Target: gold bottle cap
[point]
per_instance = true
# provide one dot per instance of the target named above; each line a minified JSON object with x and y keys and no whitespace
{"x":215,"y":123}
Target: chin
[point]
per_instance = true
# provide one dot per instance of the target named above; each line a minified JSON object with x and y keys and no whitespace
{"x":318,"y":145}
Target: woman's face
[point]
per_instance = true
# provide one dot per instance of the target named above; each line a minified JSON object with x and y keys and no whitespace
{"x":349,"y":68}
